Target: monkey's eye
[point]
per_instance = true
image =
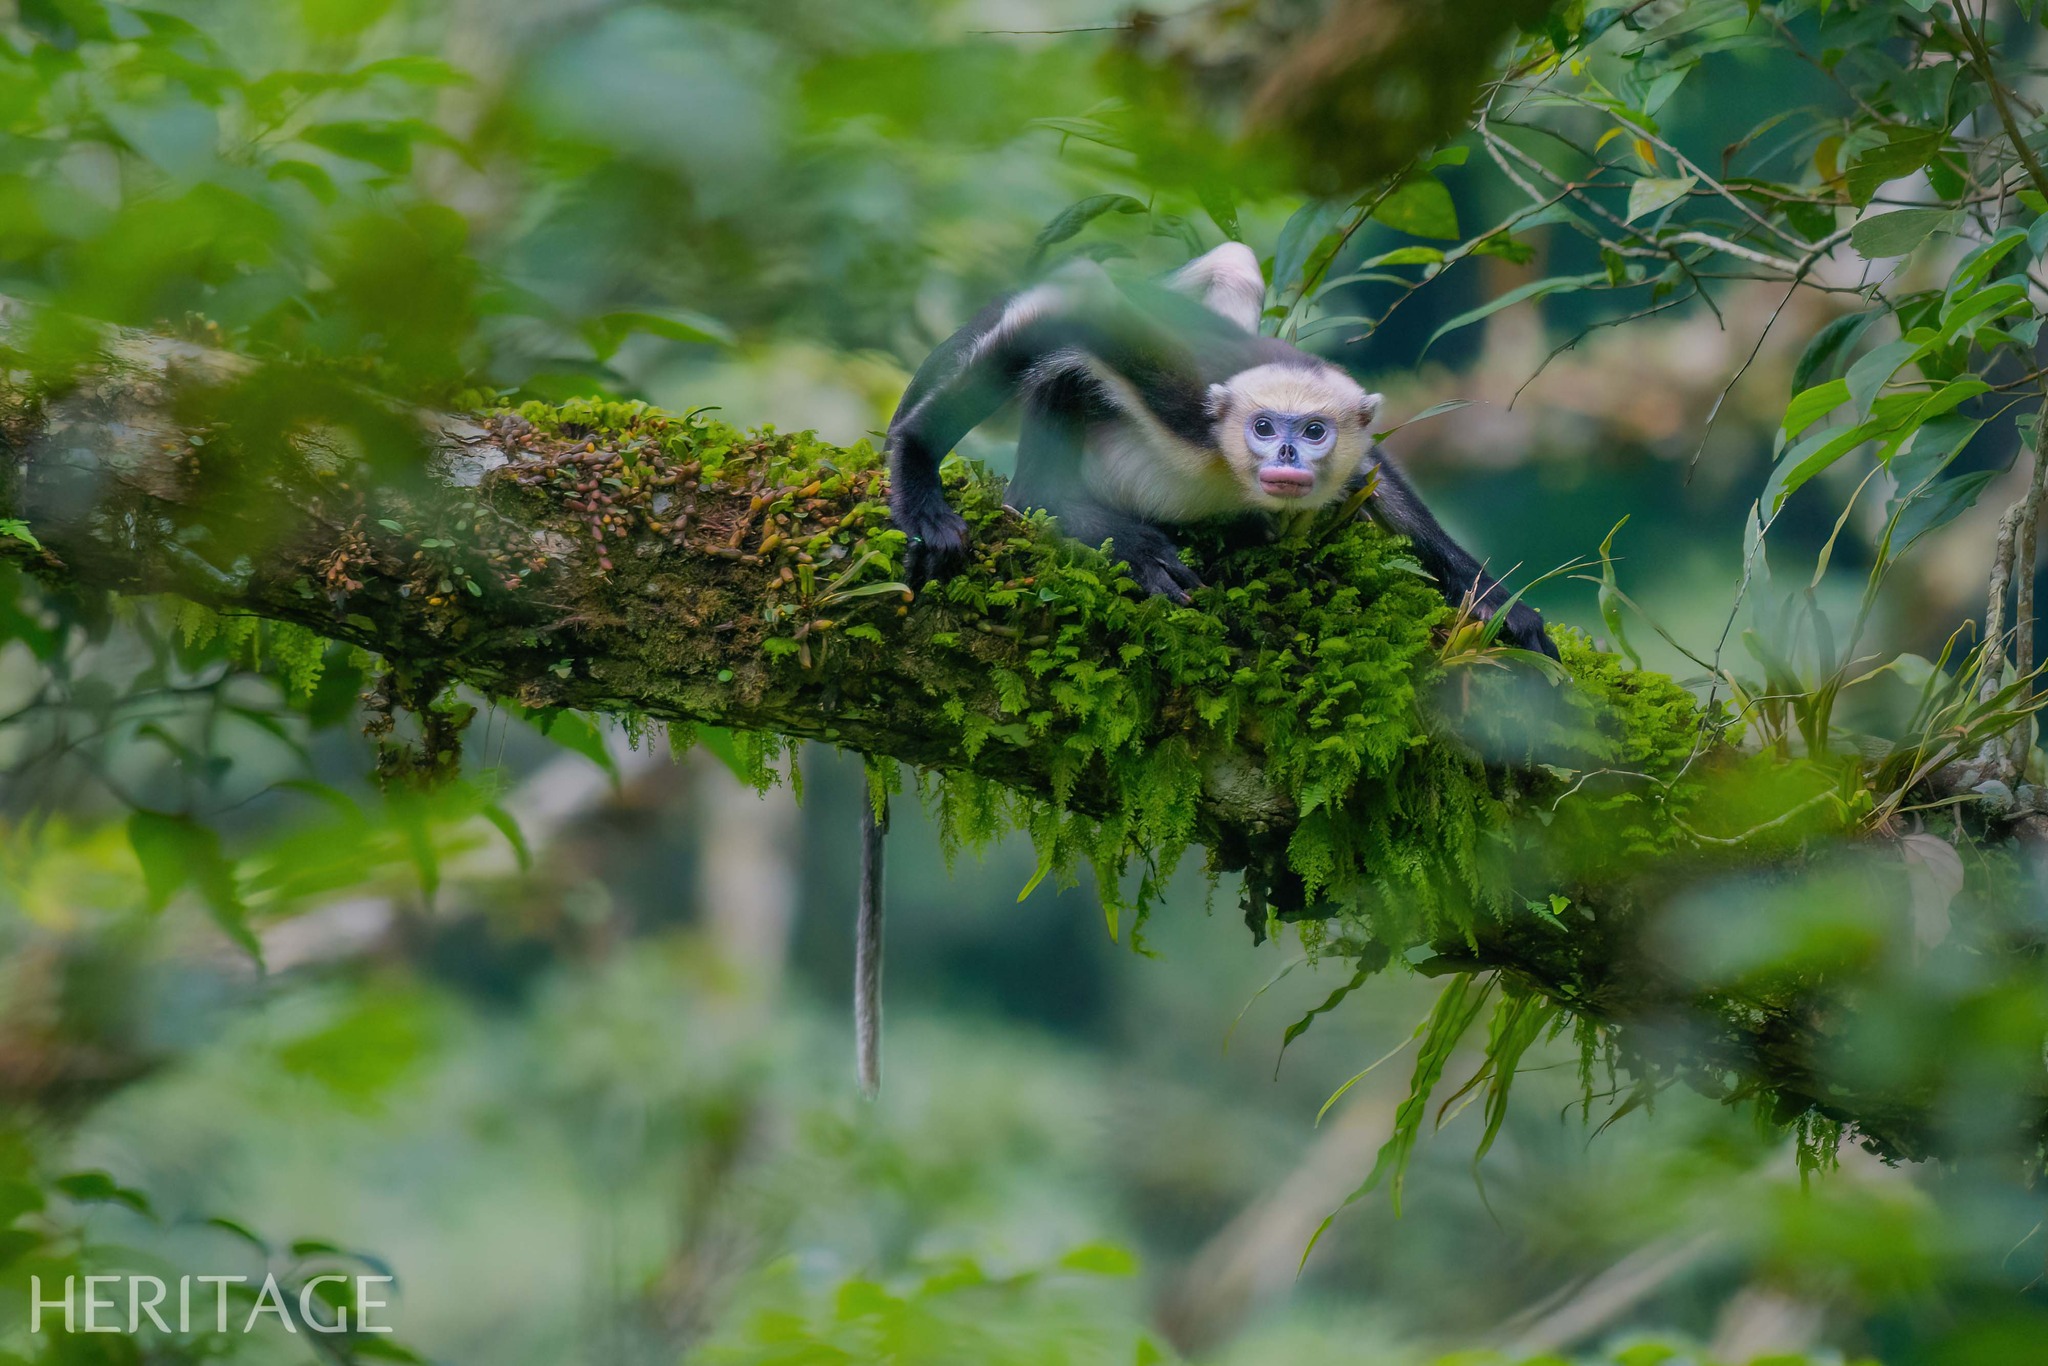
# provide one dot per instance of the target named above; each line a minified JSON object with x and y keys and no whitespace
{"x":1314,"y":432}
{"x":1264,"y":429}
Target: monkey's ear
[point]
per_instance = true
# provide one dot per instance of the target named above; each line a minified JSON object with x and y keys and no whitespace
{"x":1369,"y":408}
{"x":1218,"y":402}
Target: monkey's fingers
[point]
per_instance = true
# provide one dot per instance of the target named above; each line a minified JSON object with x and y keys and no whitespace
{"x":937,"y":549}
{"x":1164,"y":575}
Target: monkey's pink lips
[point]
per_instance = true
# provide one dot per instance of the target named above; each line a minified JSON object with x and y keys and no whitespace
{"x":1281,"y":482}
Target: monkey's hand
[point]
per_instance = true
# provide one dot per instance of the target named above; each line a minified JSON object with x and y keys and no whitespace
{"x":938,"y":546}
{"x":1155,"y":564}
{"x":1524,"y":629}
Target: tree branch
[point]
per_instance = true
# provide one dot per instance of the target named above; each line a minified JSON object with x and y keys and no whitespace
{"x":622,"y":560}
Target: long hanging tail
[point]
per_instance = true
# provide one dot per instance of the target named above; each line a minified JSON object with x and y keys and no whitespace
{"x":867,"y":949}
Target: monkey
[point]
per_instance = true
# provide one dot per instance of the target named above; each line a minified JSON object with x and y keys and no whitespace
{"x":1145,"y":408}
{"x":1156,"y":406}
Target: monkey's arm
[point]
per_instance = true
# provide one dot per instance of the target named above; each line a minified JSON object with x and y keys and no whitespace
{"x":1075,"y":320}
{"x":1396,"y":506}
{"x":959,"y":386}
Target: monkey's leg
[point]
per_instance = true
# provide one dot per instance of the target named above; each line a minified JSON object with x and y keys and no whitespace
{"x":1049,"y":455}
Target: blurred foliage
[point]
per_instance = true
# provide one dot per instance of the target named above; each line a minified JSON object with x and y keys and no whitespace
{"x":473,"y":204}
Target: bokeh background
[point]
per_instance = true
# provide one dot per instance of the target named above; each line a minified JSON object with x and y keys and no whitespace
{"x":601,"y":1108}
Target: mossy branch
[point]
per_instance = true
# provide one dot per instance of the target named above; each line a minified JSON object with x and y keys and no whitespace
{"x":1297,"y":722}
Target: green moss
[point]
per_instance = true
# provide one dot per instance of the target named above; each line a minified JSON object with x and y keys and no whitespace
{"x":1313,"y":660}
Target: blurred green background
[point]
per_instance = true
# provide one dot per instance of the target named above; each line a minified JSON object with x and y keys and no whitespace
{"x":604,"y":1110}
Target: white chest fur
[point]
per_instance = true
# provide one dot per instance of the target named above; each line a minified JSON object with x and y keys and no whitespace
{"x":1141,"y":468}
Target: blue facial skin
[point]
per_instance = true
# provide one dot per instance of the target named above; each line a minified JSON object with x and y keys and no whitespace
{"x":1289,"y":439}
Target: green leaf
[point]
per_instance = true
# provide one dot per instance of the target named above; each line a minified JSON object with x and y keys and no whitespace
{"x":1931,"y":448}
{"x":15,"y":529}
{"x":514,"y":836}
{"x":2037,"y":236}
{"x":1867,"y":376}
{"x":1079,"y":215}
{"x":1976,"y":267}
{"x":1434,"y":410}
{"x":1421,"y":207}
{"x":1904,"y":151}
{"x":1219,"y":201}
{"x":1826,"y":355}
{"x":1664,"y":86}
{"x":1300,"y":237}
{"x":1813,"y":404}
{"x":386,"y":145}
{"x":1896,"y":234}
{"x":1100,"y":1259}
{"x":177,"y":852}
{"x":1088,"y":130}
{"x":1330,"y":1002}
{"x":1939,"y":506}
{"x":1456,"y":1008}
{"x":573,"y":731}
{"x":242,"y":1231}
{"x":1653,"y":193}
{"x":605,"y":334}
{"x":1535,"y":289}
{"x":1809,"y":458}
{"x":97,"y":1187}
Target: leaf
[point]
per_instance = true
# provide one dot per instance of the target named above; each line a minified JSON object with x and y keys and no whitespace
{"x":97,"y":1187}
{"x":1930,"y":449}
{"x":1905,"y":151}
{"x":15,"y":529}
{"x":1664,"y":86}
{"x":574,"y":731}
{"x":1875,"y":370}
{"x":1653,"y":193}
{"x":1421,"y":207}
{"x":241,"y":1231}
{"x":1939,"y":506}
{"x":1300,"y":237}
{"x":177,"y":852}
{"x":606,"y":333}
{"x":1896,"y":234}
{"x":1330,"y":1002}
{"x":1811,"y":456}
{"x":2037,"y":236}
{"x":1456,"y":1008}
{"x":1976,"y":267}
{"x":385,"y":144}
{"x":1088,"y":130}
{"x":1826,"y":354}
{"x":1079,"y":215}
{"x":1219,"y":201}
{"x":1535,"y":289}
{"x":514,"y":836}
{"x":1811,"y":405}
{"x":1434,"y":410}
{"x":1100,"y":1259}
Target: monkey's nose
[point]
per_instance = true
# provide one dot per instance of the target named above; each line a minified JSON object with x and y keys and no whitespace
{"x":1288,"y":457}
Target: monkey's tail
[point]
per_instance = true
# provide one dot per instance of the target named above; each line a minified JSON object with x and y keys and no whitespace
{"x":867,"y":949}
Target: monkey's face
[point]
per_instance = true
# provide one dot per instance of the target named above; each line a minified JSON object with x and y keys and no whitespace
{"x":1293,"y":435}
